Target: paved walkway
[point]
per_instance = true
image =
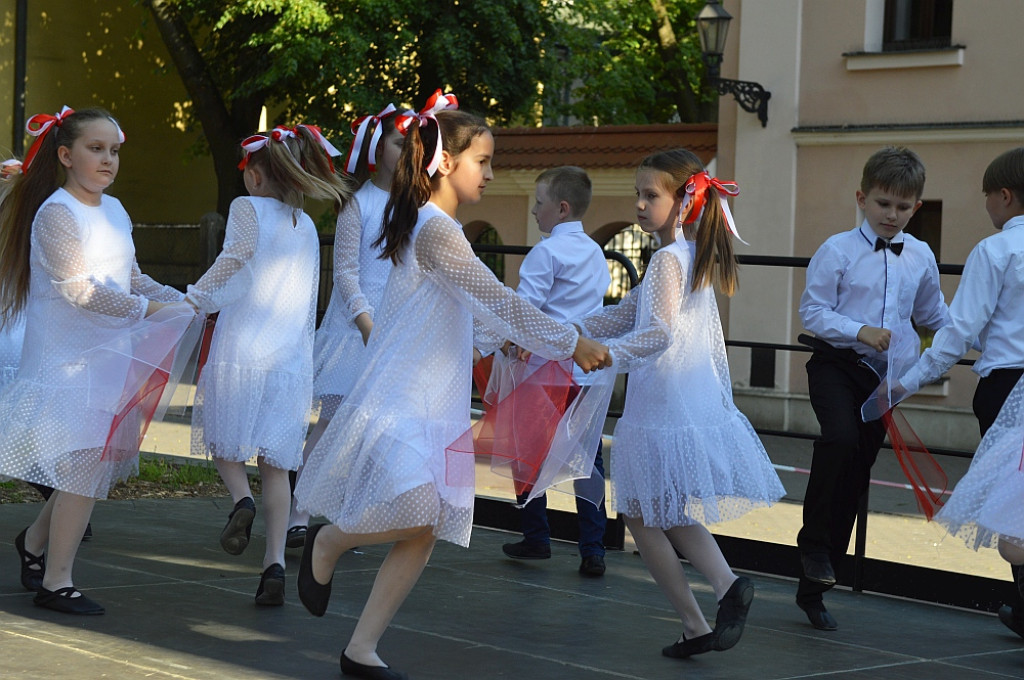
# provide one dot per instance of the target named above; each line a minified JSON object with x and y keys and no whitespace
{"x":180,"y":608}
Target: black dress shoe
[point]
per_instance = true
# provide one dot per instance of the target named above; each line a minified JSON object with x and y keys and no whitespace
{"x":315,"y":596}
{"x":818,"y":569}
{"x":819,"y":616}
{"x":358,"y":670}
{"x":1012,"y":619}
{"x":64,"y":600}
{"x":687,"y":648}
{"x":235,"y":536}
{"x":527,"y":551}
{"x":271,"y":590}
{"x":32,"y":566}
{"x":592,"y":565}
{"x":732,"y":613}
{"x":296,"y":537}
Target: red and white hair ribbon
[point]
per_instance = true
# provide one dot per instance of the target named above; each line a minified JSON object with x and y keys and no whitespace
{"x":436,"y":103}
{"x":10,"y":168}
{"x":256,"y":142}
{"x":39,"y":126}
{"x":696,"y":188}
{"x":360,"y":126}
{"x":328,"y":148}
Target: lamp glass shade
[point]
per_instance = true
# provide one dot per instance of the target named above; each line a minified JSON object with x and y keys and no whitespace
{"x":713,"y":26}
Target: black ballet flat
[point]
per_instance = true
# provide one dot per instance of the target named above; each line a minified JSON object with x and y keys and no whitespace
{"x":315,"y":596}
{"x":359,"y":670}
{"x":296,"y":537}
{"x":687,"y":648}
{"x":64,"y":600}
{"x":235,"y":536}
{"x":31,"y":576}
{"x":732,"y":613}
{"x":271,"y":590}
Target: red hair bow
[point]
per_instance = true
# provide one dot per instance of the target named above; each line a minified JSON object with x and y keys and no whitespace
{"x":39,"y":126}
{"x":696,"y":188}
{"x":436,"y":103}
{"x":257,"y":142}
{"x":360,"y":126}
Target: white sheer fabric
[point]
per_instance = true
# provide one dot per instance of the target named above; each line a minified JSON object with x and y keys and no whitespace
{"x":380,"y":465}
{"x":683,"y":453}
{"x":988,"y":502}
{"x":254,"y":393}
{"x":12,"y":337}
{"x":359,"y":278}
{"x":84,"y":302}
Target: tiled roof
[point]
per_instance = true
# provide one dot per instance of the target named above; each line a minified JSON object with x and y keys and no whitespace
{"x":607,"y":146}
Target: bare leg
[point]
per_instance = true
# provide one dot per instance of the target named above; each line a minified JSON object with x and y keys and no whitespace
{"x":301,"y":517}
{"x":663,"y":563}
{"x":235,"y":478}
{"x":697,"y":545}
{"x":276,"y":497}
{"x":69,"y":515}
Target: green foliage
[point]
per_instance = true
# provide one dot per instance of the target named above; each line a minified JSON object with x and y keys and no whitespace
{"x":177,"y":475}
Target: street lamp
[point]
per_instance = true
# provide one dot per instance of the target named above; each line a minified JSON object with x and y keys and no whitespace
{"x":713,"y":25}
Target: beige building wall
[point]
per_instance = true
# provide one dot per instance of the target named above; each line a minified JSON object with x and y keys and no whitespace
{"x":836,"y":98}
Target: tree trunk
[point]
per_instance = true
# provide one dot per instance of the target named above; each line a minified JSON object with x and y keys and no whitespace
{"x":686,"y":103}
{"x":221,"y":130}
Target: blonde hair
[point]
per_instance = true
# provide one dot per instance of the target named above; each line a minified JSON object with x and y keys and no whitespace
{"x":715,"y":262}
{"x":298,"y":166}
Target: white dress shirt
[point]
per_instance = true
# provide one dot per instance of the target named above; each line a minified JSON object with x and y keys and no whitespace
{"x":851,"y":285}
{"x":987,"y":310}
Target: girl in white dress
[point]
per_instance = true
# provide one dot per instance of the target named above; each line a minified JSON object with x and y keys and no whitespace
{"x":74,"y":279}
{"x":254,"y":392}
{"x":683,"y":456}
{"x":359,"y":277}
{"x":378,"y":472}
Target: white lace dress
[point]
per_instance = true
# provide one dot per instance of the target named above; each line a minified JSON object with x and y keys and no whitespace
{"x":359,"y":278}
{"x":12,"y":337}
{"x":683,"y":453}
{"x":380,"y":465}
{"x":86,"y":291}
{"x":988,"y":502}
{"x":254,"y":393}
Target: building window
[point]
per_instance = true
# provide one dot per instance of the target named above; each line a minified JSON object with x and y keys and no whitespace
{"x":926,"y":225}
{"x":638,"y":247}
{"x":917,"y":25}
{"x":495,"y":262}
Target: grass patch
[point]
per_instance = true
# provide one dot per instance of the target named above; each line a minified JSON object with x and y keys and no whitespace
{"x":176,"y":475}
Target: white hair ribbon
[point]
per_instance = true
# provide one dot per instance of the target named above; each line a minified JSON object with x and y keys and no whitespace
{"x":697,"y":186}
{"x":435,"y":104}
{"x":360,"y":126}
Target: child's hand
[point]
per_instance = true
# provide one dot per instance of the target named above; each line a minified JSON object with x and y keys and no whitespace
{"x":875,"y":338}
{"x":476,"y":356}
{"x":365,"y":325}
{"x":591,"y":355}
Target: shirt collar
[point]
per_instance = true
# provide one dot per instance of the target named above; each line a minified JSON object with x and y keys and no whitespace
{"x":870,"y":236}
{"x":1014,"y":222}
{"x":567,"y":227}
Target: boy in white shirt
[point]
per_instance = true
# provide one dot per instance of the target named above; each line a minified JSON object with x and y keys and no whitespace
{"x":850,"y":304}
{"x":566,"y":277}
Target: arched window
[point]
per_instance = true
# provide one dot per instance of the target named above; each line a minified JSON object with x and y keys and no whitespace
{"x":481,"y":233}
{"x":638,"y":246}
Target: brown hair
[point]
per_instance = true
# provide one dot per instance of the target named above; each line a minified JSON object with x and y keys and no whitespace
{"x":411,"y":186}
{"x":895,"y":169}
{"x":21,"y":201}
{"x":570,"y":184}
{"x":362,"y":171}
{"x":715,"y":261}
{"x":1006,"y":172}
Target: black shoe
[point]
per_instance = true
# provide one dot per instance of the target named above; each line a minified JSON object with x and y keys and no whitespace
{"x":732,"y":613}
{"x":235,"y":536}
{"x":818,"y":569}
{"x":32,"y":566}
{"x":271,"y":590}
{"x":592,"y":565}
{"x":64,"y":600}
{"x":296,"y":537}
{"x":819,"y":616}
{"x":315,"y":596}
{"x":88,"y":532}
{"x":358,"y":670}
{"x":527,"y":551}
{"x":687,"y":648}
{"x":1012,"y":619}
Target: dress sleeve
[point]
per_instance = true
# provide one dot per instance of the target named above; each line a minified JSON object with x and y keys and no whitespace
{"x":348,"y":234}
{"x":144,"y":285}
{"x":613,"y":320}
{"x":56,"y":238}
{"x":228,"y":277}
{"x":444,"y":253}
{"x":662,"y":295}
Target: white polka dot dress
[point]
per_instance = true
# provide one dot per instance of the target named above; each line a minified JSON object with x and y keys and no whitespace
{"x":86,"y":292}
{"x":12,"y":337}
{"x":254,"y":393}
{"x":683,"y":453}
{"x":380,"y":465}
{"x":988,"y":502}
{"x":359,"y":277}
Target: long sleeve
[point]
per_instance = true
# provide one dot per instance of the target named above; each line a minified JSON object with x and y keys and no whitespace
{"x":144,"y":285}
{"x":347,"y":235}
{"x":444,"y":253}
{"x":55,"y":234}
{"x":224,"y":282}
{"x":661,"y":300}
{"x":536,"y":276}
{"x":613,"y":320}
{"x":930,"y":309}
{"x":821,"y":298}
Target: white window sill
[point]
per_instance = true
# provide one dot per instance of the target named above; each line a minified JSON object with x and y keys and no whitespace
{"x":873,"y":61}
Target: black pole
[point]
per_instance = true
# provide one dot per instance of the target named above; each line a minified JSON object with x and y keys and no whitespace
{"x":20,"y":59}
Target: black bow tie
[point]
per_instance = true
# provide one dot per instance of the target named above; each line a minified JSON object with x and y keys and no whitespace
{"x":896,"y":248}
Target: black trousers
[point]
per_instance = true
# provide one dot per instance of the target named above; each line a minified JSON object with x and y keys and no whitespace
{"x":843,"y":456}
{"x":989,"y":398}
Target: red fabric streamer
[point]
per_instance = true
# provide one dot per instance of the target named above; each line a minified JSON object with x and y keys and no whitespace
{"x":129,"y":426}
{"x":518,"y":430}
{"x":926,"y":476}
{"x":204,"y":344}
